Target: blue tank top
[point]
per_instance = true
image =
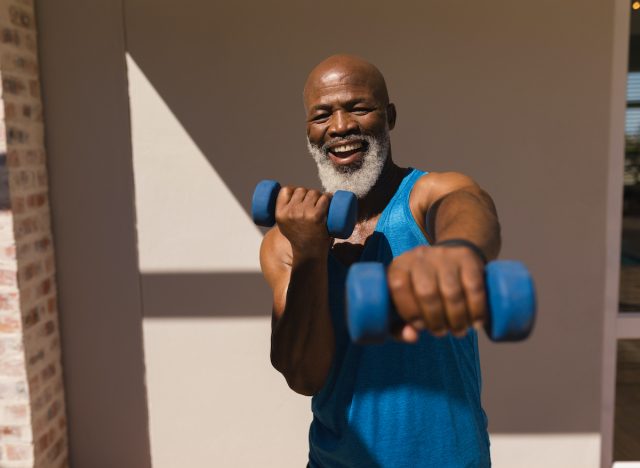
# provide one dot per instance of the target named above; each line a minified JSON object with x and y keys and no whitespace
{"x":397,"y":405}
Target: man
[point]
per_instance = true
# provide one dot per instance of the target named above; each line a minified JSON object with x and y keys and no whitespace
{"x":413,"y":401}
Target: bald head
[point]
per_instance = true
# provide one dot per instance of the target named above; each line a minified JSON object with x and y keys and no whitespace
{"x":348,"y":122}
{"x":345,"y":69}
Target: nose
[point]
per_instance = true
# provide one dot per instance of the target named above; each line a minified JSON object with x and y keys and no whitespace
{"x":342,"y":124}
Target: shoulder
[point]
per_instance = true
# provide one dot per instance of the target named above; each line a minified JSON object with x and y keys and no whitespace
{"x":432,"y":186}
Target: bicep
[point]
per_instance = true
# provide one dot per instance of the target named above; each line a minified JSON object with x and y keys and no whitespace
{"x":432,"y":188}
{"x":275,"y":262}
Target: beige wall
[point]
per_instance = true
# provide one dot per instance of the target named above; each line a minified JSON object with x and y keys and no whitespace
{"x":516,"y":94}
{"x":90,"y":169}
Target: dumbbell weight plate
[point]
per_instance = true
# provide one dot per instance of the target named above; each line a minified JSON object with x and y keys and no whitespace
{"x":511,"y":301}
{"x":342,"y":215}
{"x":263,"y":204}
{"x":368,"y":303}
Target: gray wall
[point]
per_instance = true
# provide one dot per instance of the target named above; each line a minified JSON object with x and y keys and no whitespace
{"x":515,"y":94}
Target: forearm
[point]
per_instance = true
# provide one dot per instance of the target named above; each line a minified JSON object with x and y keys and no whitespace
{"x":302,"y":340}
{"x":466,"y":215}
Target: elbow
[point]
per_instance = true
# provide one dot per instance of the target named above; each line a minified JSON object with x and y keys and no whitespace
{"x":300,"y":381}
{"x":302,"y":386}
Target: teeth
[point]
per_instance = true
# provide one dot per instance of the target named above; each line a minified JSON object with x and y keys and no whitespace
{"x":345,"y":148}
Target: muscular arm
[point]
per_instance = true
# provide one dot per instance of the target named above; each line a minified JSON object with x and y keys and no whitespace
{"x":441,"y":288}
{"x":451,"y":205}
{"x":302,"y":339}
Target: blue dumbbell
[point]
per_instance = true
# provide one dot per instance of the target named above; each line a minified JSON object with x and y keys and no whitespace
{"x":510,"y":295}
{"x":341,"y":218}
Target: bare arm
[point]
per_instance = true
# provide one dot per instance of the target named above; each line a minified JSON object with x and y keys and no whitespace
{"x":294,"y":263}
{"x":441,"y":288}
{"x":451,"y":205}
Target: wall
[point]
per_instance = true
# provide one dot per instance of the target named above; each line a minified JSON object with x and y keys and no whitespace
{"x":89,"y":142}
{"x":517,"y":95}
{"x":32,"y":408}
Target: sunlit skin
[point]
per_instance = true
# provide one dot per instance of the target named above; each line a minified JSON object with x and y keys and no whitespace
{"x":439,"y":289}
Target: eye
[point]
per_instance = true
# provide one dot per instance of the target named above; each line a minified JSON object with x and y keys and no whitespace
{"x":320,"y":117}
{"x":361,"y":110}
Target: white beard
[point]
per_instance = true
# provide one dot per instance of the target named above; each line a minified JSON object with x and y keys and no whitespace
{"x":357,"y":178}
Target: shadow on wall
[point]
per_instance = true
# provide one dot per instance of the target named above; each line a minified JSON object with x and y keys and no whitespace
{"x":205,"y":295}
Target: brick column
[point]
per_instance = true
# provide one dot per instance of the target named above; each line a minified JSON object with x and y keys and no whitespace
{"x":32,"y":412}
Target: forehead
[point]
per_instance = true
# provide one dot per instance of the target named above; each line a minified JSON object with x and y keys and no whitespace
{"x":339,"y":85}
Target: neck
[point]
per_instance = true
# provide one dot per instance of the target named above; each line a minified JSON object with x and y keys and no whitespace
{"x":383,"y":190}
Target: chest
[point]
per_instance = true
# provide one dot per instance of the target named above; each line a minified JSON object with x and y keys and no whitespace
{"x":348,"y":251}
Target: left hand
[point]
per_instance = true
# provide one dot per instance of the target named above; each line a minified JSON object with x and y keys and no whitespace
{"x":437,"y":288}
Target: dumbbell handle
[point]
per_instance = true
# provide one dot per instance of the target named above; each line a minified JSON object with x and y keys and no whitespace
{"x":341,"y":217}
{"x":510,"y":300}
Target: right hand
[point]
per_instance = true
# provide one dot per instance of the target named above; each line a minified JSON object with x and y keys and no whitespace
{"x":301,"y":215}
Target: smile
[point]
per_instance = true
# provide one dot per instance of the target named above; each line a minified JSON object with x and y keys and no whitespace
{"x":344,"y":151}
{"x":346,"y":148}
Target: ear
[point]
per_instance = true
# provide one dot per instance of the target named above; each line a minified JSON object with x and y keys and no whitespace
{"x":391,"y":115}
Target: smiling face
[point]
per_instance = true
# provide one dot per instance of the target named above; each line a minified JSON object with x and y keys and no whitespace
{"x":348,"y":123}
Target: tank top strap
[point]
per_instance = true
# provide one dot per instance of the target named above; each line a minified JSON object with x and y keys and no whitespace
{"x":400,"y":198}
{"x":397,"y":224}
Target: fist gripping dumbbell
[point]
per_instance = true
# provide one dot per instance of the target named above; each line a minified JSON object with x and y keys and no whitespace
{"x":341,"y":218}
{"x":510,"y":298}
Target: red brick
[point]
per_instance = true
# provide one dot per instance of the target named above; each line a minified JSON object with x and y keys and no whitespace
{"x":19,"y":452}
{"x":54,"y":345}
{"x":12,"y":367}
{"x":18,"y":411}
{"x":10,"y":36}
{"x":10,"y":346}
{"x":13,"y":158}
{"x":9,"y":324}
{"x":10,"y":432}
{"x":48,"y":372}
{"x":42,"y":245}
{"x":21,"y":17}
{"x":35,"y":358}
{"x":44,"y":287}
{"x":37,"y":403}
{"x":56,"y":450}
{"x":31,"y":270}
{"x":8,"y":278}
{"x":8,"y":253}
{"x":42,"y":179}
{"x":32,"y":317}
{"x":34,"y":88}
{"x":52,"y":305}
{"x":16,"y":135}
{"x":9,"y":110}
{"x":45,"y":440}
{"x":53,"y":410}
{"x":35,"y":384}
{"x":18,"y":205}
{"x":12,"y":390}
{"x":36,"y":200}
{"x":49,"y":264}
{"x":13,"y":85}
{"x":26,"y":226}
